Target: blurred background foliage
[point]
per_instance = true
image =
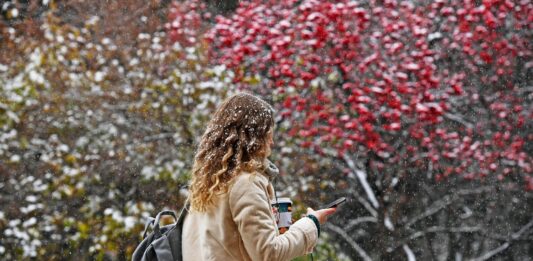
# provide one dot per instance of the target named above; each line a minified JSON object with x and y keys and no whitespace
{"x":99,"y":116}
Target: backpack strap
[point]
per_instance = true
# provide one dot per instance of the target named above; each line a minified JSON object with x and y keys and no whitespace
{"x":148,"y":224}
{"x":161,"y":246}
{"x":175,"y":236}
{"x":157,"y":231}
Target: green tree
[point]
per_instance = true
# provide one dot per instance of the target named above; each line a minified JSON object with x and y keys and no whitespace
{"x":96,"y":136}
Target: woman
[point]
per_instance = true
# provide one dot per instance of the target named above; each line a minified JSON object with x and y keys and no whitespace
{"x":230,"y":216}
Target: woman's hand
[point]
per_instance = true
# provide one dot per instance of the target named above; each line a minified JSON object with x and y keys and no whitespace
{"x":322,"y":214}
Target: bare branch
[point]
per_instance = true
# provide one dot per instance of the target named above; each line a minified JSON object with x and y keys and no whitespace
{"x":434,"y":208}
{"x":435,"y":229}
{"x":505,"y":245}
{"x":359,"y":220}
{"x":525,"y":90}
{"x":522,"y":230}
{"x":480,"y":190}
{"x":459,"y":119}
{"x":366,"y":204}
{"x":409,"y":253}
{"x":361,"y":176}
{"x":493,"y":252}
{"x":446,"y":201}
{"x":159,"y":136}
{"x":359,"y":198}
{"x":362,"y":253}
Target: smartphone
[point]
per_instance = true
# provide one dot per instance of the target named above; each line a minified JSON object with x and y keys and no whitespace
{"x":336,"y":203}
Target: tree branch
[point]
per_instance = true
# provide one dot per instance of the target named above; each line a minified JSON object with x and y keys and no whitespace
{"x":447,"y":200}
{"x":522,"y":230}
{"x":525,"y":89}
{"x":159,"y":136}
{"x":505,"y":245}
{"x":493,"y":252}
{"x":409,"y":253}
{"x":359,"y":198}
{"x":480,"y":190}
{"x":359,"y":220}
{"x":362,"y":253}
{"x":458,"y":119}
{"x":366,"y":204}
{"x":434,"y":208}
{"x":361,"y":176}
{"x":435,"y":229}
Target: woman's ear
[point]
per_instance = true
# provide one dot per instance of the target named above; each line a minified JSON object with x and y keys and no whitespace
{"x":270,"y":137}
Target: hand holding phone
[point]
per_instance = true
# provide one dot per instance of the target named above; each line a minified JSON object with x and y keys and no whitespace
{"x":327,"y":210}
{"x":336,"y":203}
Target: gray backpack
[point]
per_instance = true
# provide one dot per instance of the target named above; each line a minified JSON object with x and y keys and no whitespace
{"x":163,"y":243}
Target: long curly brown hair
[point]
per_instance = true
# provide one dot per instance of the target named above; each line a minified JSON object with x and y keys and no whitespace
{"x":235,"y":141}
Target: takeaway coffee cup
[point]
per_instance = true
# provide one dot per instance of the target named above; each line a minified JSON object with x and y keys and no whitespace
{"x":283,"y":212}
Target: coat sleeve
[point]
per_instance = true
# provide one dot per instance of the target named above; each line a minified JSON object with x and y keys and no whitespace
{"x":251,"y":211}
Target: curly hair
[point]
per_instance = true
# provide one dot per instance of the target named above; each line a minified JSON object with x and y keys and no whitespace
{"x":234,"y":141}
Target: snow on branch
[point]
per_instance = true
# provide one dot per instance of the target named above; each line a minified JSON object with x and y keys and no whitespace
{"x":366,"y":204}
{"x":459,"y":119}
{"x":435,"y":229}
{"x":505,"y":245}
{"x":359,"y":220}
{"x":409,"y":253}
{"x":446,"y":201}
{"x":362,"y":253}
{"x":434,"y":208}
{"x":492,"y":252}
{"x":159,"y":136}
{"x":361,"y":176}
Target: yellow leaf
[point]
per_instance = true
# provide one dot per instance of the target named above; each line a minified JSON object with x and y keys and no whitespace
{"x":70,"y":159}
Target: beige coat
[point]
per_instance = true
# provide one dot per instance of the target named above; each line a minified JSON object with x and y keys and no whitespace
{"x":243,"y":227}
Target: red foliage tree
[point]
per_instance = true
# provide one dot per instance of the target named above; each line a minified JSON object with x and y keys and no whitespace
{"x":444,"y":82}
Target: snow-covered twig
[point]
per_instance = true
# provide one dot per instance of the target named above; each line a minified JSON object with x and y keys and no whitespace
{"x":366,"y":204}
{"x":359,"y":220}
{"x":159,"y":136}
{"x":409,"y":253}
{"x":447,"y":200}
{"x":493,"y":252}
{"x":368,"y":190}
{"x":522,"y":230}
{"x":434,"y":208}
{"x":362,"y":253}
{"x":525,"y":90}
{"x":505,"y":245}
{"x":361,"y":176}
{"x":473,"y":191}
{"x":435,"y":229}
{"x":459,"y":119}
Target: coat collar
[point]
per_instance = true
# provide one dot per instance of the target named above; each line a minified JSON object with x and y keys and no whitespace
{"x":271,"y":171}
